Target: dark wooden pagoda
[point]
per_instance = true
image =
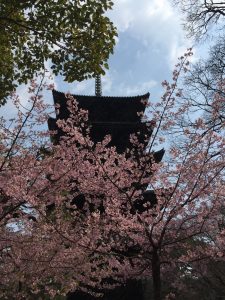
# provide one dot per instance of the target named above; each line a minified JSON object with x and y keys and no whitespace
{"x":117,"y":116}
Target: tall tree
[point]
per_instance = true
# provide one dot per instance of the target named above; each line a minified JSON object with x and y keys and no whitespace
{"x":204,"y":88}
{"x":201,"y":16}
{"x":75,"y":36}
{"x":120,"y":234}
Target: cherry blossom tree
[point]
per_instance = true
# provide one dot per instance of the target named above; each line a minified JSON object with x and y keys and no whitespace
{"x":51,"y":245}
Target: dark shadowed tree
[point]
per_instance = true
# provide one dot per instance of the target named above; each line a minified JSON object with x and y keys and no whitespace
{"x":204,"y":86}
{"x":201,"y":16}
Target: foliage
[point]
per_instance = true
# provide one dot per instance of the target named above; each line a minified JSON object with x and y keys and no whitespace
{"x":48,"y":243}
{"x":74,"y":36}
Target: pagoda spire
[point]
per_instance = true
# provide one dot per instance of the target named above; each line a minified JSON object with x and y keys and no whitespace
{"x":98,"y":85}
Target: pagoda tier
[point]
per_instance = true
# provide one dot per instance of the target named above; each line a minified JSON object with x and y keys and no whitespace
{"x":104,"y":108}
{"x":119,"y":132}
{"x":116,"y":116}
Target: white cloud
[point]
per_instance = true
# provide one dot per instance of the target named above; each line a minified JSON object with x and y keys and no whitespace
{"x":137,"y":15}
{"x":149,"y":43}
{"x":81,"y":87}
{"x":152,"y":23}
{"x":138,"y":89}
{"x":107,"y":82}
{"x":9,"y":110}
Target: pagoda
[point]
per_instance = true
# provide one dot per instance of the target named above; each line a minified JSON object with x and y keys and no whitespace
{"x":118,"y":117}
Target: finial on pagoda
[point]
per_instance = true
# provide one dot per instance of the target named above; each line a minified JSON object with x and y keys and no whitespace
{"x":98,"y":85}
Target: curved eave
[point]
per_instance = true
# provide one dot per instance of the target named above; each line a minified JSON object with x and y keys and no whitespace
{"x":60,"y":95}
{"x":119,"y":131}
{"x":158,"y":155}
{"x":104,"y":108}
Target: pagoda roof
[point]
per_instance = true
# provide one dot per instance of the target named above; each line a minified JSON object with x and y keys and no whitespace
{"x":120,"y":132}
{"x":57,"y":94}
{"x":104,"y":108}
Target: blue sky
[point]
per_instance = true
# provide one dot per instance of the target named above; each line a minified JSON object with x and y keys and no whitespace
{"x":150,"y":39}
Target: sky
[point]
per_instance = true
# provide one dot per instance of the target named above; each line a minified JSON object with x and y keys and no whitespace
{"x":150,"y":39}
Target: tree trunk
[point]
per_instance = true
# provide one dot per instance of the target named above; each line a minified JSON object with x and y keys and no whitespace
{"x":156,"y":276}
